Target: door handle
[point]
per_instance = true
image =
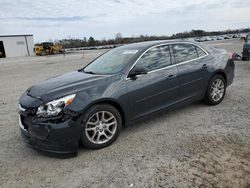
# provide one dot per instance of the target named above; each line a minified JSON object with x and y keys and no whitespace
{"x":172,"y":76}
{"x":204,"y":66}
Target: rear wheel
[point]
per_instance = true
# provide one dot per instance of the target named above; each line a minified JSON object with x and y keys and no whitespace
{"x":101,"y":126}
{"x":216,"y":90}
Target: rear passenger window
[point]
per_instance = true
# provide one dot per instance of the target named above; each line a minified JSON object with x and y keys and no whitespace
{"x":200,"y":52}
{"x":155,"y":58}
{"x":184,"y":52}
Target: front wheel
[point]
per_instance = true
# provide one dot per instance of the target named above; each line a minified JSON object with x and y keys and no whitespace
{"x":43,"y":53}
{"x":216,"y":90}
{"x":101,"y":126}
{"x":243,"y":58}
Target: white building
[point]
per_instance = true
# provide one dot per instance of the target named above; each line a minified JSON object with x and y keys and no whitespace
{"x":16,"y":45}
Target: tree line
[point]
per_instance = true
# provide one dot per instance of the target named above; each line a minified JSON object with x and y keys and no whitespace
{"x":119,"y":39}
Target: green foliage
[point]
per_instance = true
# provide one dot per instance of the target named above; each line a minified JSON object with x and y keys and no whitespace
{"x":76,"y":43}
{"x":91,"y":41}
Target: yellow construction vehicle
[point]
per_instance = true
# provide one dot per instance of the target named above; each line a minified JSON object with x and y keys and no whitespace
{"x":48,"y":48}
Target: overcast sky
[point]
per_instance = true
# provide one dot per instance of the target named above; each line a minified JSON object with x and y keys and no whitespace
{"x":56,"y":19}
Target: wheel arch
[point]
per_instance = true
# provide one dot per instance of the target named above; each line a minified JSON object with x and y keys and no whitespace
{"x":220,"y":72}
{"x":207,"y":98}
{"x":113,"y":103}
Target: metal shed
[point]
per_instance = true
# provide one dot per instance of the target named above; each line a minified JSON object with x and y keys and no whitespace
{"x":16,"y":45}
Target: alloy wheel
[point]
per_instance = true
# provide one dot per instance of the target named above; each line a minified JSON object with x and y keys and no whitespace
{"x":217,"y":90}
{"x":101,"y":127}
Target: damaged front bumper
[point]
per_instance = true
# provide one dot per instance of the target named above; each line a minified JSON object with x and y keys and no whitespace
{"x":246,"y":53}
{"x":58,"y":135}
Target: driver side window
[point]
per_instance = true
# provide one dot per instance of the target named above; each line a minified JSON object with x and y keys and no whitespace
{"x":155,"y":58}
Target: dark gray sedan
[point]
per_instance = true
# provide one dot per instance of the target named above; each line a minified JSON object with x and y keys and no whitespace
{"x":125,"y":84}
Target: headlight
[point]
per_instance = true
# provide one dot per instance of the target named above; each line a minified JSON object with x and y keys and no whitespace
{"x":53,"y":108}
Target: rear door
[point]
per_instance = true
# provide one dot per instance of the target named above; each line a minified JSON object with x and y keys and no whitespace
{"x":192,"y":68}
{"x":157,"y":89}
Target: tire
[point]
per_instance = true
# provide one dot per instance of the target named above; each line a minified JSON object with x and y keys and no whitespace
{"x":216,"y":90}
{"x":108,"y":127}
{"x":43,"y":53}
{"x":243,"y":58}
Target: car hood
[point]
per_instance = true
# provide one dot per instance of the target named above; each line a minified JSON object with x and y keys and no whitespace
{"x":63,"y":85}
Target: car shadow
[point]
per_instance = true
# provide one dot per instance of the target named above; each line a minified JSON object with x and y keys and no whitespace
{"x":137,"y":126}
{"x":57,"y":155}
{"x":149,"y":120}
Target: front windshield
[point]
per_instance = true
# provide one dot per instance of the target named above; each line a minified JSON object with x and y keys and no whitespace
{"x":111,"y":62}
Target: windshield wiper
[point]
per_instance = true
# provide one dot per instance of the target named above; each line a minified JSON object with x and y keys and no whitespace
{"x":88,"y":72}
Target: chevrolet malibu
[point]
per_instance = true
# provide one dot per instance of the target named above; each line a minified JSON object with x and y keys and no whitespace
{"x":91,"y":105}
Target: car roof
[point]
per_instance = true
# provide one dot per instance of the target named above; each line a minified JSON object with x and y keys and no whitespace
{"x":149,"y":44}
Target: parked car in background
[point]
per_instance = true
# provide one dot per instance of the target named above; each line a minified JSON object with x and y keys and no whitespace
{"x":207,"y":39}
{"x":235,"y":36}
{"x":125,"y":84}
{"x":246,"y":48}
{"x":199,"y":39}
{"x":213,"y":38}
{"x":227,"y":37}
{"x":219,"y":38}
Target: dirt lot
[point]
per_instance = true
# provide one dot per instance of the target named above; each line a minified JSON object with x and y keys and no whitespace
{"x":194,"y":146}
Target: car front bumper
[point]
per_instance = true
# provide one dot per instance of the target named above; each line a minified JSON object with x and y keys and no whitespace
{"x":59,"y":138}
{"x":246,"y":53}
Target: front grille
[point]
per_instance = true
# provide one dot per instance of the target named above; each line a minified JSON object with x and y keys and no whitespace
{"x":27,"y":111}
{"x":26,"y":121}
{"x":26,"y":116}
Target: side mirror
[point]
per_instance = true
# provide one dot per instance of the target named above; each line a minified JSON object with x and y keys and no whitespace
{"x":137,"y":71}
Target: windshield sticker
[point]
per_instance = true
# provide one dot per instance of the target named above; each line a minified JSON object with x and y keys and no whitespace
{"x":130,"y":52}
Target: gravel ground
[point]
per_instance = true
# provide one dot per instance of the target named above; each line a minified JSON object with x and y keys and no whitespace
{"x":193,"y":146}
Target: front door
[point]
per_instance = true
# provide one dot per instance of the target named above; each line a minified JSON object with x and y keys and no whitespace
{"x":158,"y":88}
